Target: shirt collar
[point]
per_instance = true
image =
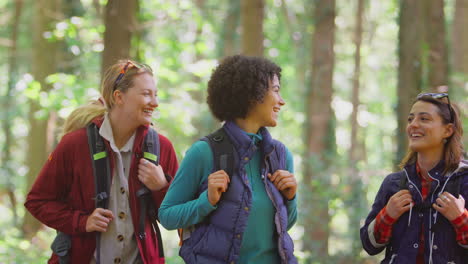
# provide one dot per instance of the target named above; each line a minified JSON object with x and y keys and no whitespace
{"x":106,"y":132}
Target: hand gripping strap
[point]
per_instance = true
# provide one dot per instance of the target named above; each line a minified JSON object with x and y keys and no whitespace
{"x":151,"y":151}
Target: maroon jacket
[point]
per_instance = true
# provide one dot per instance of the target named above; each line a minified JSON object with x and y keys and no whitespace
{"x":62,"y":195}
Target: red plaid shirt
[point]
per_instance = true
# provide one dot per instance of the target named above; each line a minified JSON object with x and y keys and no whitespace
{"x":461,"y":227}
{"x":384,"y":223}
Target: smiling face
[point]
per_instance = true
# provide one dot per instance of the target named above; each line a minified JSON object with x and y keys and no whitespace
{"x":139,"y":101}
{"x":265,"y":113}
{"x":425,"y":129}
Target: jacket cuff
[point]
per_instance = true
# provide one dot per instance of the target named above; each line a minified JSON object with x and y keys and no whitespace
{"x":386,"y":218}
{"x":206,"y":206}
{"x":373,"y":240}
{"x":459,"y":221}
{"x":79,"y":222}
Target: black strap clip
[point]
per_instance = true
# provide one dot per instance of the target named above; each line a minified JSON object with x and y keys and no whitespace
{"x":102,"y":196}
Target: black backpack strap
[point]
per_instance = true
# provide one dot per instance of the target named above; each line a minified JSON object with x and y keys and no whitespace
{"x":403,"y":184}
{"x":61,"y":247}
{"x":101,"y":169}
{"x":453,"y":186}
{"x":222,"y":149}
{"x":151,"y":152}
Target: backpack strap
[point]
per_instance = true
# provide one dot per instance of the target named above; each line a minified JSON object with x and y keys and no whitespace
{"x":101,"y":169}
{"x":403,"y":184}
{"x":223,"y":159}
{"x":61,"y":247}
{"x":151,"y":152}
{"x":222,"y":149}
{"x":453,"y":186}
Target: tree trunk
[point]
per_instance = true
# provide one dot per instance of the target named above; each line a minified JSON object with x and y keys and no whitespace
{"x":8,"y":110}
{"x":353,"y":153}
{"x":410,"y":66}
{"x":121,"y":23}
{"x":318,"y":132}
{"x":252,"y":27}
{"x":45,"y":53}
{"x":356,"y":199}
{"x":229,"y":39}
{"x":435,"y":37}
{"x":460,"y":45}
{"x":204,"y":123}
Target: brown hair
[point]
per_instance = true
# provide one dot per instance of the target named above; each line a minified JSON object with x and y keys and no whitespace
{"x":84,"y":114}
{"x":453,"y":148}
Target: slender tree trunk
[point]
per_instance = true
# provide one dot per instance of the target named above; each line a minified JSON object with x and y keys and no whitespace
{"x":300,"y":46}
{"x":121,"y":23}
{"x":203,"y":122}
{"x":45,"y":53}
{"x":318,"y":133}
{"x":9,"y":102}
{"x":229,"y":38}
{"x":353,"y":154}
{"x":356,"y":199}
{"x":460,"y":44}
{"x":252,"y":27}
{"x":410,"y":65}
{"x":435,"y":36}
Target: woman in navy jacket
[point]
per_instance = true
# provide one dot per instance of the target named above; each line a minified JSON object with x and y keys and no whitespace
{"x":419,"y":214}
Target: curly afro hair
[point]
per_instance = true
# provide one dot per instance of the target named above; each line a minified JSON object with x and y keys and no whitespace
{"x":237,"y":84}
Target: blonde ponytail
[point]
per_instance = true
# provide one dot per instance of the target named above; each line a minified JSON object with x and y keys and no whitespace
{"x":83,"y":115}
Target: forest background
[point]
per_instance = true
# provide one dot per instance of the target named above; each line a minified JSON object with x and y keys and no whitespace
{"x":350,"y":72}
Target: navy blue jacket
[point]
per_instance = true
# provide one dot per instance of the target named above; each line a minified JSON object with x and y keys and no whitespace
{"x":218,"y":239}
{"x":440,"y":244}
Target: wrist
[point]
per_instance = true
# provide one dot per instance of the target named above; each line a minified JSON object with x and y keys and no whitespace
{"x":212,"y":201}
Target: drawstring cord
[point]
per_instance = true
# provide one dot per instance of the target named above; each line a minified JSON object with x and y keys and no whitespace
{"x":410,"y":211}
{"x":432,"y":233}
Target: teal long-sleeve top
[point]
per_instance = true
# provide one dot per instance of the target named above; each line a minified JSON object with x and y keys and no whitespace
{"x":183,"y":207}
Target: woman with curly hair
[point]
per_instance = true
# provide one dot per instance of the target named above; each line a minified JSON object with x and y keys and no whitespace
{"x":234,"y":195}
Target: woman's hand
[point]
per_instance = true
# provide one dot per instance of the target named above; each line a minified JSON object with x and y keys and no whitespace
{"x":399,"y":203}
{"x":285,"y":182}
{"x":217,"y":184}
{"x":449,"y":206}
{"x":99,"y":220}
{"x":151,"y":176}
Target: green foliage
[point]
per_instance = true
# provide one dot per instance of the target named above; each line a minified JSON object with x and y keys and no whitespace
{"x":15,"y":249}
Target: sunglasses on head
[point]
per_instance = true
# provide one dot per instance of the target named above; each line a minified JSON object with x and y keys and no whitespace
{"x":125,"y":68}
{"x":439,"y":96}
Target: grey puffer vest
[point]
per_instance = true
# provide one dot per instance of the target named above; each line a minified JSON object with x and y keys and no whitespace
{"x":218,"y":238}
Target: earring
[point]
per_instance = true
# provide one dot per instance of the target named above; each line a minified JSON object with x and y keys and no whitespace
{"x":445,"y":141}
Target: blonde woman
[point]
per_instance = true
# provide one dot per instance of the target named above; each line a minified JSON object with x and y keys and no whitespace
{"x":64,"y":194}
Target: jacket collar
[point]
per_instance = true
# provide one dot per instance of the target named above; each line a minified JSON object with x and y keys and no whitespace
{"x":436,"y":172}
{"x":243,"y":142}
{"x":139,"y":134}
